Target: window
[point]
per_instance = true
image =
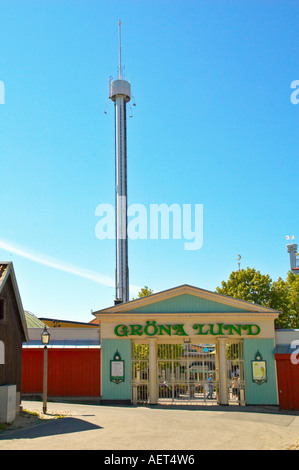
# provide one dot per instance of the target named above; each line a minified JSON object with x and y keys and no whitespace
{"x":2,"y":309}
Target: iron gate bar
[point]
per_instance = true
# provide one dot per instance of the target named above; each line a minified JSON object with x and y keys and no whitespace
{"x":140,"y":373}
{"x":235,"y":373}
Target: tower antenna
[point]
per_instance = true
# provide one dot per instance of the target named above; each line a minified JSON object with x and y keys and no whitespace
{"x":239,"y":263}
{"x":119,"y":40}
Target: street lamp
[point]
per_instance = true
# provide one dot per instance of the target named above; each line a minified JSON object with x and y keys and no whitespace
{"x":45,"y":336}
{"x":45,"y":341}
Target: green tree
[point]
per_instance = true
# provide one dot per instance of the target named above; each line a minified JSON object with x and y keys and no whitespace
{"x":285,"y":297}
{"x":249,"y":284}
{"x":144,"y":291}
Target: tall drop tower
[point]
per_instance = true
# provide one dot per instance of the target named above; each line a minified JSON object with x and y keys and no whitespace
{"x":120,"y":93}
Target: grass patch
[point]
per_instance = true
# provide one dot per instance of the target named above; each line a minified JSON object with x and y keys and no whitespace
{"x":31,"y":418}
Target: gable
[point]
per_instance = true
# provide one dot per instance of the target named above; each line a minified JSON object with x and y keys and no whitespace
{"x":187,"y":303}
{"x":10,"y":291}
{"x":186,"y":299}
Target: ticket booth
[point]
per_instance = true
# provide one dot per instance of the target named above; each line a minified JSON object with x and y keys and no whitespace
{"x":188,"y":345}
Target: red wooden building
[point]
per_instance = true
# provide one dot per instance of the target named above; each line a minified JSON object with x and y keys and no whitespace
{"x":74,"y":358}
{"x":13,"y":333}
{"x":287,"y":366}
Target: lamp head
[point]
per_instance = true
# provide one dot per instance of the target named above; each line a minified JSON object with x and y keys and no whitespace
{"x":45,"y":336}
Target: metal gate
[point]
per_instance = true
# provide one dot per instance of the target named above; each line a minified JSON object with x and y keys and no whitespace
{"x":140,"y":373}
{"x":187,"y":373}
{"x":235,"y":373}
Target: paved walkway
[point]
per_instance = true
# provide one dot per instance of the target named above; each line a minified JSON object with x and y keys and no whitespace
{"x":92,"y":427}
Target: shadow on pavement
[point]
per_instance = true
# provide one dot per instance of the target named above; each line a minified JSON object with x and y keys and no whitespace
{"x":228,"y":408}
{"x":50,"y":428}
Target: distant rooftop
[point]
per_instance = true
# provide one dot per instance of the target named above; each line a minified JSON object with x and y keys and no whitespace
{"x":58,"y":323}
{"x":32,"y":321}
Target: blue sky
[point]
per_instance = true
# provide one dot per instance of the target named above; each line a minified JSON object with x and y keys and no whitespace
{"x":213,"y":125}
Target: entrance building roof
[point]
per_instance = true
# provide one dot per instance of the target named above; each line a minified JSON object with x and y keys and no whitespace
{"x":186,"y":299}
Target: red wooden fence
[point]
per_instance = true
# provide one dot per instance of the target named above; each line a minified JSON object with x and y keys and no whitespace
{"x":288,"y":382}
{"x":71,"y":372}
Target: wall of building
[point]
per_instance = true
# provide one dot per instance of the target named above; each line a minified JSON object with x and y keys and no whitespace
{"x":288,"y":382}
{"x":12,"y":336}
{"x":265,"y":393}
{"x":287,"y":361}
{"x":110,"y":390}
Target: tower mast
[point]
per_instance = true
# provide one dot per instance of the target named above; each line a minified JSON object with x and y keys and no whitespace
{"x":120,"y":94}
{"x":119,"y":48}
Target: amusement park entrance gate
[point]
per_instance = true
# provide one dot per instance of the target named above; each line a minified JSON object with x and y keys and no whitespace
{"x":186,"y":373}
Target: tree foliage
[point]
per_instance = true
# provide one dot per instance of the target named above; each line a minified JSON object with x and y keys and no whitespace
{"x":285,"y":297}
{"x":252,"y":286}
{"x":144,"y":291}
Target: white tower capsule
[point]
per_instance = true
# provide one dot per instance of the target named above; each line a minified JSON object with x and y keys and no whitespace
{"x":120,"y":93}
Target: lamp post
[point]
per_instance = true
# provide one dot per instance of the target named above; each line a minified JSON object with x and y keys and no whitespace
{"x":45,"y":341}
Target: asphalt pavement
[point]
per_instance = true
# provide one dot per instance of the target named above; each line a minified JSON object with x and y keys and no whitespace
{"x":108,"y":428}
